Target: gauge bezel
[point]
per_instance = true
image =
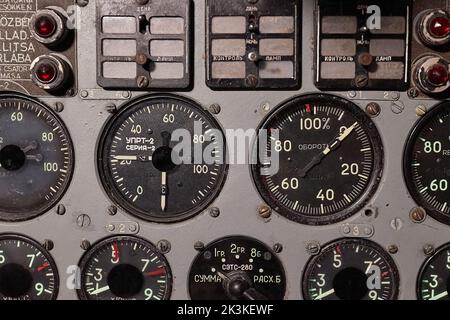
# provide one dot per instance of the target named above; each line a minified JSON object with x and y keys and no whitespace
{"x":228,"y":238}
{"x":407,"y":160}
{"x":30,"y":215}
{"x":364,"y":242}
{"x":109,"y":186}
{"x":426,"y":263}
{"x":40,"y":248}
{"x":378,"y":161}
{"x":87,"y":256}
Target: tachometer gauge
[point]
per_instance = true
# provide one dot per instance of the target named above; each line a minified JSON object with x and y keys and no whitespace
{"x":427,"y":163}
{"x":142,"y":168}
{"x":351,"y":269}
{"x":330,"y":159}
{"x":36,"y":158}
{"x":434,"y":278}
{"x":27,"y":271}
{"x":237,"y":268}
{"x":124,"y":268}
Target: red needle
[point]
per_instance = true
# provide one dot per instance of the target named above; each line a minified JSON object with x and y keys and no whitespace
{"x":156,"y":273}
{"x":45,"y":265}
{"x":116,"y":251}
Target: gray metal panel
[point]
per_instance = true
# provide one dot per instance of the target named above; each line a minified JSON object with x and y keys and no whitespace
{"x":239,"y":199}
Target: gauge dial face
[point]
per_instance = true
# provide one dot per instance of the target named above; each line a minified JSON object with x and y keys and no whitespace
{"x":124,"y":268}
{"x":36,"y":158}
{"x":27,"y":271}
{"x":434,"y":278}
{"x":330,"y":159}
{"x":237,"y":268}
{"x":427,"y":163}
{"x":141,"y":165}
{"x":351,"y":269}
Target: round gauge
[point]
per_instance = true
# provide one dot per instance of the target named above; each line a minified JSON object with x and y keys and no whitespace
{"x":237,"y":268}
{"x":434,"y":278}
{"x":36,"y":158}
{"x":161,"y":158}
{"x":351,"y":269}
{"x":124,"y":268}
{"x":27,"y":270}
{"x":427,"y":163}
{"x":322,"y":160}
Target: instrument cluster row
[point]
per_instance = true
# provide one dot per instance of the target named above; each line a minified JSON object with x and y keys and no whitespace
{"x":230,"y":268}
{"x":317,"y":159}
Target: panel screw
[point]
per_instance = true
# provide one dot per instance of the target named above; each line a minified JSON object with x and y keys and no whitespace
{"x":83,"y":221}
{"x":395,"y":95}
{"x":215,"y":108}
{"x":142,"y":82}
{"x":126,"y":94}
{"x":199,"y":246}
{"x":373,"y":109}
{"x":265,"y":211}
{"x":278,"y":248}
{"x":141,"y":59}
{"x":142,"y":2}
{"x":85,"y":244}
{"x":59,"y":107}
{"x":133,"y":228}
{"x":397,"y":107}
{"x":313,"y":248}
{"x":164,"y":246}
{"x":413,"y":93}
{"x":252,"y":81}
{"x":361,"y":81}
{"x":112,"y":210}
{"x":214,"y":212}
{"x":428,"y":249}
{"x":84,"y":94}
{"x":111,"y":108}
{"x":48,"y":245}
{"x":82,"y":3}
{"x":61,"y":210}
{"x":421,"y":110}
{"x":418,"y":215}
{"x":393,"y":249}
{"x":352,"y":94}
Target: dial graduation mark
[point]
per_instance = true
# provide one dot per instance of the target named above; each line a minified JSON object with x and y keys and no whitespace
{"x":330,"y":159}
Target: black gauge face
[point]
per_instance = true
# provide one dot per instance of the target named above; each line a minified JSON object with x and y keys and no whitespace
{"x":351,"y":269}
{"x":434,"y":278}
{"x":427,"y":163}
{"x":330,"y":159}
{"x":141,"y":165}
{"x":36,"y":158}
{"x":237,"y":268}
{"x":124,"y":268}
{"x":27,"y":271}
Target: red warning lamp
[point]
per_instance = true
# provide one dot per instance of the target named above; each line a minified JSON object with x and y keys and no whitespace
{"x":45,"y":26}
{"x":46,"y":72}
{"x":437,"y":75}
{"x":440,"y":27}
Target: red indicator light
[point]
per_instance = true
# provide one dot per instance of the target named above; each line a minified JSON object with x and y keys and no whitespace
{"x":46,"y":72}
{"x":437,"y":75}
{"x":45,"y":26}
{"x":440,"y":27}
